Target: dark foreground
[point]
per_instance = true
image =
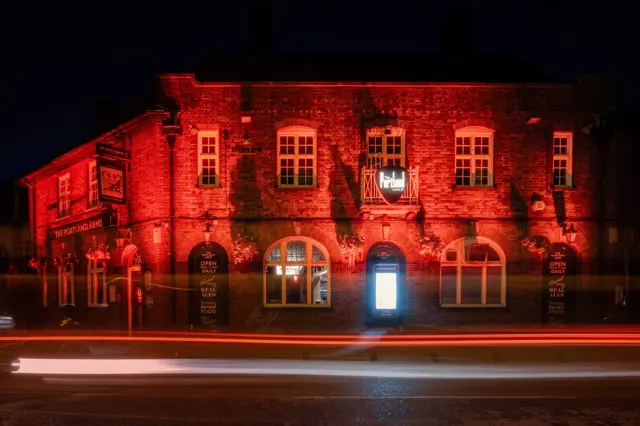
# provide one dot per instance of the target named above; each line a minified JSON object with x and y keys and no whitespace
{"x":303,"y":400}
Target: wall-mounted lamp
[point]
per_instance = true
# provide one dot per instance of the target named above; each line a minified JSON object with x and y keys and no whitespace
{"x":570,"y":233}
{"x":207,"y":232}
{"x":120,"y":241}
{"x":246,"y":139}
{"x":193,"y":129}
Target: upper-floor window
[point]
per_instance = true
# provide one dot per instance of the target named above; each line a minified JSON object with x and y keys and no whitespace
{"x":474,"y":156}
{"x":64,"y":195}
{"x":296,"y":157}
{"x":562,"y":159}
{"x":92,"y":174}
{"x":473,"y":274}
{"x":385,"y":146}
{"x":208,"y":159}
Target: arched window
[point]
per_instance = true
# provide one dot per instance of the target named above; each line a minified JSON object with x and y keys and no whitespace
{"x":385,"y":146}
{"x":473,"y":273}
{"x":474,"y":156}
{"x":296,"y":157}
{"x":297,"y":273}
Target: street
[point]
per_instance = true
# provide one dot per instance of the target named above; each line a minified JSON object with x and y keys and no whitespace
{"x":320,"y":400}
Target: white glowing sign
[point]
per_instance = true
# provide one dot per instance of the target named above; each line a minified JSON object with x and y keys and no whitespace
{"x":386,"y":290}
{"x":393,"y":181}
{"x":290,"y":270}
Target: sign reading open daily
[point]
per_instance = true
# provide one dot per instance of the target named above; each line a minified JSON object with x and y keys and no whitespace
{"x":102,"y":221}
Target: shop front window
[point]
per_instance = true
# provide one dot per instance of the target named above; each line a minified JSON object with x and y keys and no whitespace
{"x":97,"y":283}
{"x":301,"y":277}
{"x":473,"y":274}
{"x":66,"y":284}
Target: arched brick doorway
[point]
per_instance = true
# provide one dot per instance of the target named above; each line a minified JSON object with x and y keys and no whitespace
{"x":385,"y":285}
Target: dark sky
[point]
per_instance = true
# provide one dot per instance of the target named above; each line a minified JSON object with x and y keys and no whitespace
{"x":60,"y":60}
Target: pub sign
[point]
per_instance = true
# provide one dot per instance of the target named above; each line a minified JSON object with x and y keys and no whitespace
{"x":558,"y":284}
{"x":208,"y":286}
{"x":391,"y":181}
{"x":112,"y":184}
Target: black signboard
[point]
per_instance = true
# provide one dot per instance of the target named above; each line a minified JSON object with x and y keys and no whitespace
{"x":558,"y":284}
{"x":112,"y":182}
{"x":96,"y":222}
{"x":111,"y":151}
{"x":209,"y":286}
{"x":391,"y":181}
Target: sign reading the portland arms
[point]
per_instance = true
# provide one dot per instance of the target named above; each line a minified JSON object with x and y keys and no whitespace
{"x":209,"y":268}
{"x":96,"y":222}
{"x":391,"y":181}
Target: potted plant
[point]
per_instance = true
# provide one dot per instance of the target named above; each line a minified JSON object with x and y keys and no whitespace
{"x":352,"y":248}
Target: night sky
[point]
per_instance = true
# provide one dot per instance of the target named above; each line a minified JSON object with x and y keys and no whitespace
{"x":62,"y":62}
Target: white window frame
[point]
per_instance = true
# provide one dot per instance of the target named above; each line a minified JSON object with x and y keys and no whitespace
{"x":96,"y":278}
{"x":64,"y":198}
{"x":215,"y":157}
{"x":384,"y":133}
{"x":474,"y":132}
{"x":297,"y":132}
{"x":92,"y":185}
{"x":66,"y":284}
{"x":568,"y":157}
{"x":461,"y":246}
{"x":308,"y":263}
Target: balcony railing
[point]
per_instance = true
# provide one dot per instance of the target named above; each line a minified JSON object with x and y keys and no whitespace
{"x":370,"y":194}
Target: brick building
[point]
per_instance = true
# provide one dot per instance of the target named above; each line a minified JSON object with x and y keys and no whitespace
{"x":232,"y":175}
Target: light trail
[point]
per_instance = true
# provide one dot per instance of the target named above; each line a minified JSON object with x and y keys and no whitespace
{"x":172,"y":367}
{"x":453,"y":340}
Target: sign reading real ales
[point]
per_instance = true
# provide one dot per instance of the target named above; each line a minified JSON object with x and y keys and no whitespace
{"x":209,"y":285}
{"x":558,"y":284}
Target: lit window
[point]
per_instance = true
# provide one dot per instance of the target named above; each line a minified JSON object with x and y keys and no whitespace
{"x":64,"y":196}
{"x":93,"y":185}
{"x":301,"y":277}
{"x":296,"y":157}
{"x":208,"y":159}
{"x":473,"y":274}
{"x":66,"y":284}
{"x":474,"y":153}
{"x":562,"y":159}
{"x":385,"y":146}
{"x":97,"y":282}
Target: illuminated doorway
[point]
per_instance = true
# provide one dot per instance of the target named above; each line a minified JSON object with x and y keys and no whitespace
{"x":385,"y":286}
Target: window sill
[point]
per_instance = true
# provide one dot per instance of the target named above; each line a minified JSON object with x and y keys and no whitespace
{"x":297,"y":187}
{"x":558,"y":188}
{"x":454,"y":186}
{"x":61,"y":218}
{"x":97,"y":305}
{"x":96,"y":207}
{"x":67,"y":304}
{"x":472,"y":306}
{"x":297,"y":305}
{"x":201,"y":185}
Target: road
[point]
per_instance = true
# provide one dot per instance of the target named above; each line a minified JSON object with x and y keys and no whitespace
{"x":321,"y":400}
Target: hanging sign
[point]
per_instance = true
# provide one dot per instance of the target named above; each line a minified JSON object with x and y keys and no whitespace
{"x":558,"y":284}
{"x":209,"y":285}
{"x":391,"y":181}
{"x":104,"y":150}
{"x":112,"y":185}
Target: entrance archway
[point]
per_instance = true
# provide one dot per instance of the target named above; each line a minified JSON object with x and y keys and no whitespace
{"x":131,"y":261}
{"x":208,"y":286}
{"x":386,"y":283}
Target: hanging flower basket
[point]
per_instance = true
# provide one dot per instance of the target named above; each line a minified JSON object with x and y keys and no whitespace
{"x":72,"y":258}
{"x":352,"y":248}
{"x":99,"y":252}
{"x":245,"y":250}
{"x":535,"y":244}
{"x":36,"y":262}
{"x":430,"y":246}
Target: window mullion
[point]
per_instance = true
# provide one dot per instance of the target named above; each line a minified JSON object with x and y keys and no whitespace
{"x":283,"y":260}
{"x":459,"y":273}
{"x":484,"y":285}
{"x":309,"y":260}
